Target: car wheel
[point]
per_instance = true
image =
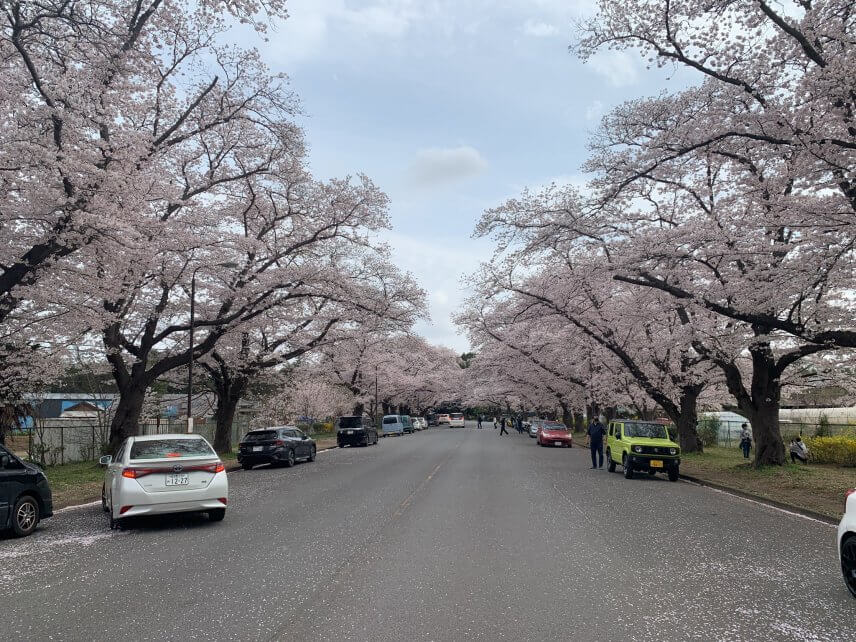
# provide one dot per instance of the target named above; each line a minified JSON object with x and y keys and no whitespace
{"x":312,"y":454}
{"x":116,"y":523}
{"x":25,"y":516}
{"x":289,"y":462}
{"x":104,"y":497}
{"x":651,"y":472}
{"x":246,"y":466}
{"x":610,"y":462}
{"x":628,"y":469}
{"x":674,"y":473}
{"x":848,"y":562}
{"x":217,"y":514}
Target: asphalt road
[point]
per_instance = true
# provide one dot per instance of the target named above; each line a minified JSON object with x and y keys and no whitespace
{"x":448,"y":534}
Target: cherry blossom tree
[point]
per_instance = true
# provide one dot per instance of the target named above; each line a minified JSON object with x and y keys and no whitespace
{"x":117,"y":114}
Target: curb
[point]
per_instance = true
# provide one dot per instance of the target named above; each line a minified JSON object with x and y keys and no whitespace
{"x":805,"y":512}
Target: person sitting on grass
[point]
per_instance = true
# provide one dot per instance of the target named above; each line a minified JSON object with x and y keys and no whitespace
{"x":798,"y":450}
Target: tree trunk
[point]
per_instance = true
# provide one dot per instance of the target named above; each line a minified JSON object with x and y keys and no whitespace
{"x":567,"y":415}
{"x":229,"y":392}
{"x":126,"y":420}
{"x":687,"y":421}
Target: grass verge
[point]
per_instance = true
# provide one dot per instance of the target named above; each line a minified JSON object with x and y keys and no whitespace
{"x":815,"y":487}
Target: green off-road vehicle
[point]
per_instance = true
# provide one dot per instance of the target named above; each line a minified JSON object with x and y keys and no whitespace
{"x":642,"y":446}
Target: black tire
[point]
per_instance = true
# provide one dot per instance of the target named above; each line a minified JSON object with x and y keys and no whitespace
{"x":673,"y":474}
{"x":104,"y":498}
{"x":246,"y":466}
{"x":848,"y":563}
{"x":610,"y":462}
{"x":116,"y":523}
{"x":651,"y":472}
{"x":25,"y":516}
{"x":216,"y":514}
{"x":628,"y":469}
{"x":289,"y":462}
{"x":312,"y":454}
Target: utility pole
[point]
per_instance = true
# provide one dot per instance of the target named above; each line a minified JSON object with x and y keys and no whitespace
{"x":190,"y":363}
{"x":376,"y":408}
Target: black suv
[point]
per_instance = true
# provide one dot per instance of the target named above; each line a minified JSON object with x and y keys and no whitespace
{"x":355,"y":431}
{"x":277,"y":445}
{"x":25,"y":497}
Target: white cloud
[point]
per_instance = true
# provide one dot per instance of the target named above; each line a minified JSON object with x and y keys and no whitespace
{"x":538,"y":29}
{"x":618,"y":67}
{"x":440,"y":165}
{"x":594,"y":111}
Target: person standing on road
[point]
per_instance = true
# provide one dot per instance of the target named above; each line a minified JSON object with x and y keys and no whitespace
{"x":479,"y":422}
{"x":495,"y":425}
{"x":596,"y":431}
{"x":502,"y":430}
{"x":745,"y":440}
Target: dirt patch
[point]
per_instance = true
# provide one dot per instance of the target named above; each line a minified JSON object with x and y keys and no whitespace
{"x":815,"y":487}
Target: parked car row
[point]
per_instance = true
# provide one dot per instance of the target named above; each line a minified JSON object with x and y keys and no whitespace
{"x":402,"y":424}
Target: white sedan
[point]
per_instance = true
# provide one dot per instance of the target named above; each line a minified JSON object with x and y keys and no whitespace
{"x":847,"y":541}
{"x":159,"y":474}
{"x":456,"y":420}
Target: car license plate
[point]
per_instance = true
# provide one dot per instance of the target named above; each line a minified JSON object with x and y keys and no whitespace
{"x":350,"y":432}
{"x":177,"y":480}
{"x":257,"y":449}
{"x":557,"y":443}
{"x":656,"y":463}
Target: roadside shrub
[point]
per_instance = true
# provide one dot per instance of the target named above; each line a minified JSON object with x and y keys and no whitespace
{"x":708,"y":431}
{"x":839,"y":450}
{"x":822,"y":427}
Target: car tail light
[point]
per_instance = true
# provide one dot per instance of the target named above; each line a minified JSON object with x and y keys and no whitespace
{"x":124,"y":509}
{"x":136,"y":473}
{"x":223,"y":500}
{"x":279,"y":442}
{"x":208,"y":468}
{"x":847,"y":494}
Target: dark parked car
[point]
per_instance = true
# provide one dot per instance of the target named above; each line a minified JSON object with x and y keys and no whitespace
{"x":276,"y":445}
{"x":25,"y":497}
{"x":355,"y":431}
{"x":432,"y":419}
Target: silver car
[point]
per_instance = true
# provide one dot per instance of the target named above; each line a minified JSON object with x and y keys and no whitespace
{"x":159,"y":474}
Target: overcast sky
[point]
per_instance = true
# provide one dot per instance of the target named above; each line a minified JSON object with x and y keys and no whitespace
{"x":450,"y":106}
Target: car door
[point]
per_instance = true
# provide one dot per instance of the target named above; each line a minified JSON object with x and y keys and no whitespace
{"x":302,"y":443}
{"x":114,"y":470}
{"x":8,"y":490}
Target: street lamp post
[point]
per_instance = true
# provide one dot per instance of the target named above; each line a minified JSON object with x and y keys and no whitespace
{"x":376,"y":408}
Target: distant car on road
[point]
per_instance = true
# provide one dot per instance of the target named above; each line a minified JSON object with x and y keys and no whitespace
{"x":553,"y":433}
{"x":25,"y":495}
{"x":443,"y":418}
{"x":847,"y":541}
{"x":159,"y":474}
{"x":392,"y":425}
{"x":420,"y":423}
{"x":456,"y":420}
{"x":534,"y":427}
{"x":432,"y":419}
{"x":355,"y":431}
{"x":408,"y":424}
{"x":278,"y":445}
{"x":642,"y":446}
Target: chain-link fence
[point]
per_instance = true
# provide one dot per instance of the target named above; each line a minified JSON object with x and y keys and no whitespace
{"x":729,"y":431}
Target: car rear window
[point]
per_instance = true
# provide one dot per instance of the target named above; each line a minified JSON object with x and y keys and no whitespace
{"x":350,"y":422}
{"x":260,"y":435}
{"x":457,"y":415}
{"x":170,"y":448}
{"x":390,"y":420}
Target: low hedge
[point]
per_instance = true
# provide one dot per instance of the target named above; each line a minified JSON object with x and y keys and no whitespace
{"x":839,"y":450}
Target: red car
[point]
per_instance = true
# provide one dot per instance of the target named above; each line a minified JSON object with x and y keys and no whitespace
{"x":553,"y":433}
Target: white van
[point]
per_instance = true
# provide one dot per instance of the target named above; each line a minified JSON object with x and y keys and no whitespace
{"x":393,"y":425}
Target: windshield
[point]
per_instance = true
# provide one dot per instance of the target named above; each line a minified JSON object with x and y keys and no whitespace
{"x":170,"y":449}
{"x":390,"y":420}
{"x":651,"y":431}
{"x":555,"y":427}
{"x":350,"y":422}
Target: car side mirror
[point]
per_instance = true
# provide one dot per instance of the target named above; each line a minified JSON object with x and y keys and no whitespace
{"x":106,"y":460}
{"x":5,"y":460}
{"x":304,"y":437}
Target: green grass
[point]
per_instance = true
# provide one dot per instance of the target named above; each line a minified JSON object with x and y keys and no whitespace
{"x":815,"y":487}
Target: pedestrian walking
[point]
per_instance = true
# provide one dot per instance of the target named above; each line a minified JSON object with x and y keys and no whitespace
{"x":495,"y":423}
{"x":798,"y":450}
{"x":745,"y":440}
{"x":519,"y":425}
{"x":596,"y":431}
{"x":479,"y":422}
{"x":502,"y":430}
